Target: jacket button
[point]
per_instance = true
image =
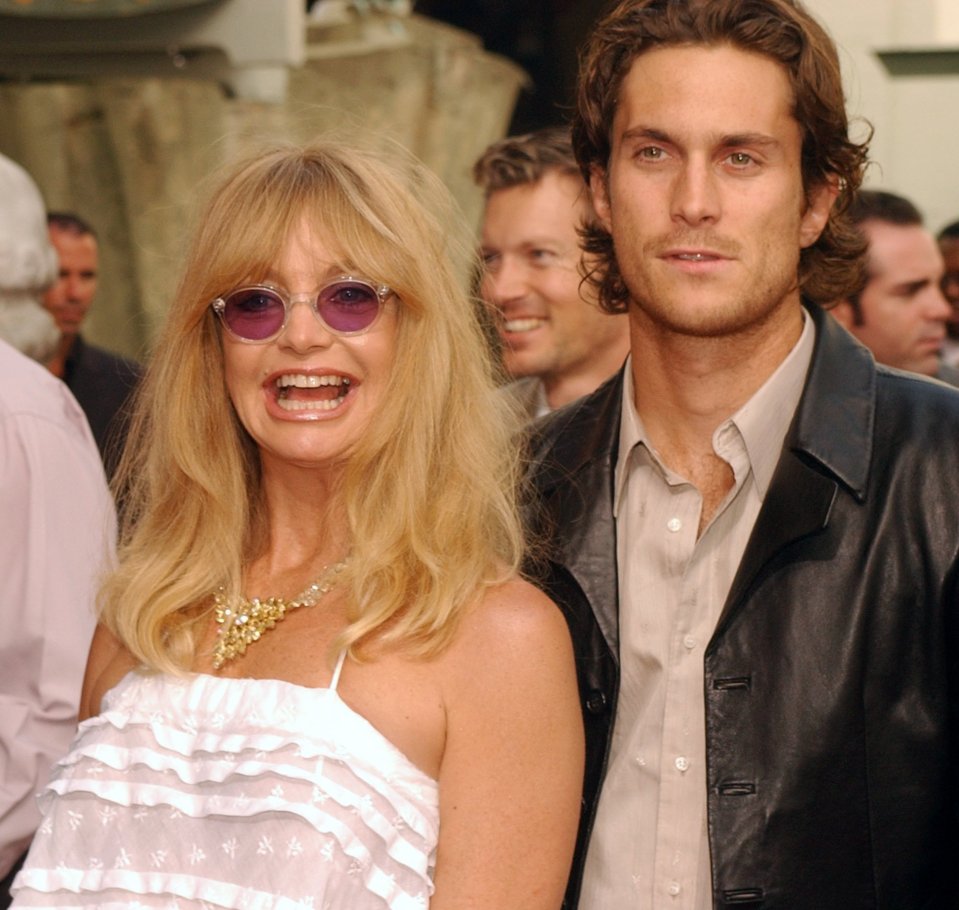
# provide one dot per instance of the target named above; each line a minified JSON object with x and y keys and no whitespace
{"x":596,"y":702}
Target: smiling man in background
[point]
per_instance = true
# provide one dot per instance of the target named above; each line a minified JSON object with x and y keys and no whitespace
{"x":556,"y":342}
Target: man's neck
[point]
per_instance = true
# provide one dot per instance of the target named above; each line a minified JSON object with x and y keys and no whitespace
{"x":685,"y":387}
{"x":57,"y":364}
{"x":588,"y":376}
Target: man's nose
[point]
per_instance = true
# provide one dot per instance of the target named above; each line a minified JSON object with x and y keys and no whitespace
{"x":72,"y":286}
{"x":695,"y":196}
{"x":937,"y":307}
{"x":506,"y":281}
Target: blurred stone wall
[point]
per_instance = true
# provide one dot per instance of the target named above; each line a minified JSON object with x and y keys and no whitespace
{"x":128,"y":153}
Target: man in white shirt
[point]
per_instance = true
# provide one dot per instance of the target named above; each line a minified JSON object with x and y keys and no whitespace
{"x":752,"y":530}
{"x":59,"y":527}
{"x":557,"y":344}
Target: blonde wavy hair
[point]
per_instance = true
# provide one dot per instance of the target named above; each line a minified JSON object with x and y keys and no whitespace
{"x":430,"y":494}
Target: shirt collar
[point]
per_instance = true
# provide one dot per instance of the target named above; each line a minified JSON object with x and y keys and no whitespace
{"x":762,"y":421}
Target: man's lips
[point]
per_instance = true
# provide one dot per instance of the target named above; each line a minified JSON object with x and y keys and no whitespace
{"x":693,"y":255}
{"x":932,"y":342}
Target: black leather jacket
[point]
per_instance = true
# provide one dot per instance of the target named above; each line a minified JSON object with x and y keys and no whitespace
{"x":830,"y":682}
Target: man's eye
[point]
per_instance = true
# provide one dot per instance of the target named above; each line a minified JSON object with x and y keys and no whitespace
{"x":740,"y":159}
{"x":651,"y":153}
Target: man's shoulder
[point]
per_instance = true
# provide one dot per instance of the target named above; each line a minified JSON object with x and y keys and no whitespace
{"x":911,"y":435}
{"x":27,"y":387}
{"x":948,"y":374}
{"x":915,"y":393}
{"x":95,"y":359}
{"x":33,"y":400}
{"x":575,"y":436}
{"x":854,"y":410}
{"x":527,"y":395}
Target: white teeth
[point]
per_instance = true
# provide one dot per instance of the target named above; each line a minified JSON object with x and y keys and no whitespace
{"x":310,"y":381}
{"x":522,"y":325}
{"x":692,"y":257}
{"x":288,"y":405}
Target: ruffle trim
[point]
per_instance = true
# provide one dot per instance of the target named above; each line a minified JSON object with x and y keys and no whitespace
{"x":184,"y":715}
{"x":250,"y":763}
{"x":131,"y":795}
{"x":199,"y":703}
{"x":89,"y":886}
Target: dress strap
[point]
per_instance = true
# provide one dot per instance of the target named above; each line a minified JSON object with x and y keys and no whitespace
{"x":335,"y":681}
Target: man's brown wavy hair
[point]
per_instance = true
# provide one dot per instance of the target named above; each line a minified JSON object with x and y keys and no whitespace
{"x":779,"y":29}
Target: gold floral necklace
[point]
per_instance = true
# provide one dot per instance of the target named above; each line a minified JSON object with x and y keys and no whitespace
{"x":243,"y":622}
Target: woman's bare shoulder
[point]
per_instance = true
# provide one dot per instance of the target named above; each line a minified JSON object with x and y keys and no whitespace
{"x":514,"y":628}
{"x":107,"y":663}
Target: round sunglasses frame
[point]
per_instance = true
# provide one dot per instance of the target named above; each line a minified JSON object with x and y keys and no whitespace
{"x":382,"y":292}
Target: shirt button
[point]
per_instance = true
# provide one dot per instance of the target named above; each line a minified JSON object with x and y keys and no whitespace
{"x":689,"y":642}
{"x":674,"y":888}
{"x":682,"y":763}
{"x":674,"y":525}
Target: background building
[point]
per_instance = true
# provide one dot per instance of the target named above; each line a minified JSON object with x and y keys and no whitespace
{"x":121,"y":108}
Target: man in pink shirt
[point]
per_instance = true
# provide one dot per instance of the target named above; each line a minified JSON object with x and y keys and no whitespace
{"x":59,"y":527}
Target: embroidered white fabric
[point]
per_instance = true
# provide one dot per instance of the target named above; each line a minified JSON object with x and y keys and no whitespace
{"x":207,"y":792}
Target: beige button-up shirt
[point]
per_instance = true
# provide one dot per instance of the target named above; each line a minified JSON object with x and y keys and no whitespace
{"x":649,"y":849}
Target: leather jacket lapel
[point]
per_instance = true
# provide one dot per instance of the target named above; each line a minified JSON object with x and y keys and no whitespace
{"x":576,"y":487}
{"x":816,"y":460}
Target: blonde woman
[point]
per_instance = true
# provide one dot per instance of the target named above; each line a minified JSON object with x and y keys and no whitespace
{"x":318,"y":680}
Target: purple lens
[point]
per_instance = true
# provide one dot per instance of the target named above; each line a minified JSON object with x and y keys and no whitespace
{"x":348,"y":306}
{"x":254,"y":313}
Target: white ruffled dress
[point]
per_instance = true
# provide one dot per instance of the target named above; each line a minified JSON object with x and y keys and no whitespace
{"x":208,"y":792}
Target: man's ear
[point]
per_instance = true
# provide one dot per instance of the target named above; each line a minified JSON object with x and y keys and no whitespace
{"x":599,"y":192}
{"x":819,"y":203}
{"x":844,"y":314}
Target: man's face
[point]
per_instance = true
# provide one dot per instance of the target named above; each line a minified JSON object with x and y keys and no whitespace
{"x":531,"y":254}
{"x":949,"y":247}
{"x":902,"y":311}
{"x":703,"y":195}
{"x":69,"y":298}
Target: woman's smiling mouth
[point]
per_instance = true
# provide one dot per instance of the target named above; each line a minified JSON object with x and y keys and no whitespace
{"x":311,"y":392}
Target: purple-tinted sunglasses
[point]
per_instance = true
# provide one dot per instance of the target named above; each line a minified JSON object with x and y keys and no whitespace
{"x":259,"y":313}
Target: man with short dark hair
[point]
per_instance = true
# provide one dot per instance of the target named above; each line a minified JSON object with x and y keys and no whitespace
{"x":752,"y":529}
{"x":898,"y":310}
{"x":556,"y":342}
{"x":101,"y":381}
